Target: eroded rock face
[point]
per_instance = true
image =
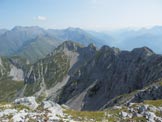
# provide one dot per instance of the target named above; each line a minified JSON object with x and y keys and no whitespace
{"x":16,"y":73}
{"x":11,"y":70}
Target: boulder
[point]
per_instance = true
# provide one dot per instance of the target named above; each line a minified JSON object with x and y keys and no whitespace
{"x":124,"y":114}
{"x":150,"y":116}
{"x":54,"y":108}
{"x":47,"y":104}
{"x":142,"y":108}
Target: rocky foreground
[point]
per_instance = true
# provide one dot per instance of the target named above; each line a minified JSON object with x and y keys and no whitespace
{"x":28,"y":109}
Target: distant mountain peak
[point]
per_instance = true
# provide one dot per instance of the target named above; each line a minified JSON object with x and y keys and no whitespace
{"x":143,"y":51}
{"x":92,"y":45}
{"x":20,"y":28}
{"x":73,"y":29}
{"x":70,"y":45}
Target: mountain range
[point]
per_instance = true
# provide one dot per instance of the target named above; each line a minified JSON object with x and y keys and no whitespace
{"x":21,"y":41}
{"x":85,"y":78}
{"x":127,"y":39}
{"x":77,"y":69}
{"x":34,"y":43}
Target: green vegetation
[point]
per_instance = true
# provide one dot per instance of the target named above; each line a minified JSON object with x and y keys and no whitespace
{"x":158,"y":113}
{"x":4,"y":68}
{"x":57,"y":69}
{"x":110,"y":115}
{"x":51,"y":70}
{"x":38,"y":48}
{"x":98,"y":116}
{"x":139,"y":119}
{"x":41,"y":98}
{"x":21,"y":107}
{"x":31,"y":88}
{"x":9,"y":89}
{"x":157,"y":103}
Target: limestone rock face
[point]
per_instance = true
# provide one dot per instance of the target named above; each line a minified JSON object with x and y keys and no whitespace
{"x":9,"y":69}
{"x":111,"y":73}
{"x":27,"y":101}
{"x":16,"y":73}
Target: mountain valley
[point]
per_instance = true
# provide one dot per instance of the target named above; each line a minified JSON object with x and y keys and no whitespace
{"x":80,"y":79}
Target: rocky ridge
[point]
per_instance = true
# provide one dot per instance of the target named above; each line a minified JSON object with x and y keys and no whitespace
{"x":85,"y":78}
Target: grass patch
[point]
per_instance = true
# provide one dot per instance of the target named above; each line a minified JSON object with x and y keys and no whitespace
{"x":139,"y":119}
{"x":41,"y":98}
{"x":21,"y":107}
{"x":9,"y":89}
{"x":157,"y":103}
{"x":32,"y":88}
{"x":85,"y":115}
{"x":158,"y":113}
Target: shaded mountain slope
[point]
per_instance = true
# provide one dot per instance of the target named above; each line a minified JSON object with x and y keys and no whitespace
{"x":56,"y":67}
{"x":111,"y":73}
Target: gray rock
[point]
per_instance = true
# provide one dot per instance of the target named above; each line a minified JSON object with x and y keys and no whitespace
{"x":27,"y":101}
{"x":48,"y":104}
{"x":152,"y":108}
{"x":150,"y":116}
{"x":143,"y":108}
{"x":124,"y":114}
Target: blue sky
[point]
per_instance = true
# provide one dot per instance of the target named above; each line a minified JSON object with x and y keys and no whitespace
{"x":87,"y":14}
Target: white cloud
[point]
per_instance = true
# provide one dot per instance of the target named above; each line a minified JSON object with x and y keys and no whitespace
{"x":41,"y":18}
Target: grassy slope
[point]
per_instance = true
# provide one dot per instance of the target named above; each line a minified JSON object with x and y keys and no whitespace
{"x":38,"y":49}
{"x":53,"y":69}
{"x":9,"y":89}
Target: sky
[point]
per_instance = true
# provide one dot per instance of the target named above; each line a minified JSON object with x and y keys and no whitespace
{"x":86,"y":14}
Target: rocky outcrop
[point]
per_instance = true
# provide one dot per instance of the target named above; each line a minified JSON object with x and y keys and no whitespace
{"x":48,"y":111}
{"x":27,"y":101}
{"x":151,"y":92}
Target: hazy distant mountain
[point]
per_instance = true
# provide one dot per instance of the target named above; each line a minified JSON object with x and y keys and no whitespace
{"x":38,"y":48}
{"x":109,"y":40}
{"x":2,"y":31}
{"x":13,"y":39}
{"x":128,"y":38}
{"x":77,"y":35}
{"x":35,"y":43}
